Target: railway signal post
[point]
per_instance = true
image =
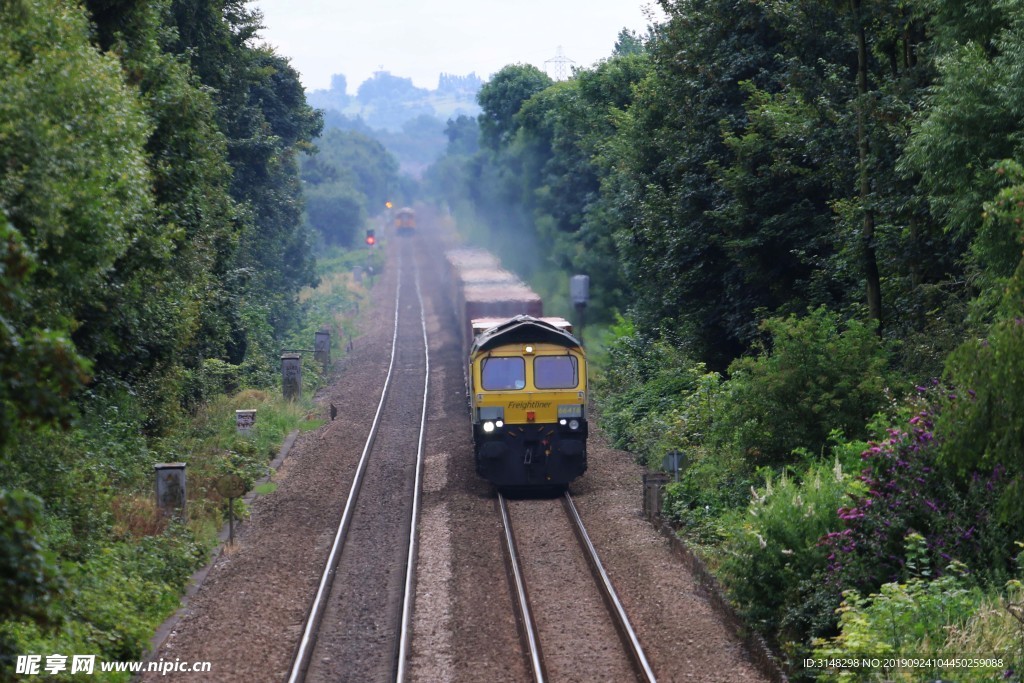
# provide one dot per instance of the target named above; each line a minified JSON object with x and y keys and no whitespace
{"x":579,"y":291}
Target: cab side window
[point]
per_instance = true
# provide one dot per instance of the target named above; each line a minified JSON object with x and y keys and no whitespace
{"x":503,"y":374}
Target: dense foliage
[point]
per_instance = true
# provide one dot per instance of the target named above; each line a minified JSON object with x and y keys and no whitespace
{"x":350,"y":177}
{"x":793,"y":213}
{"x":154,"y":261}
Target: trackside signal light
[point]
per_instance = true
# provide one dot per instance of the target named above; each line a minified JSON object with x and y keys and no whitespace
{"x":371,"y":239}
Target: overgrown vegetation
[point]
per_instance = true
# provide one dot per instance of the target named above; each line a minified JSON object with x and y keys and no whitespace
{"x":154,"y":262}
{"x":94,"y":566}
{"x":803,"y":224}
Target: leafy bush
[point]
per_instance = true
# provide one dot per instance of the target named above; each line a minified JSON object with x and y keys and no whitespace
{"x":924,"y":618}
{"x":770,"y":561}
{"x":650,"y":388}
{"x":212,"y":378}
{"x":113,"y":601}
{"x":40,"y":366}
{"x":982,"y":425}
{"x":815,"y":375}
{"x":699,"y":504}
{"x":906,"y":491}
{"x":29,"y":577}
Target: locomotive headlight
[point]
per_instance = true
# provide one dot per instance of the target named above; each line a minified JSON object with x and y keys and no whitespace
{"x":488,"y":427}
{"x":574,"y":424}
{"x":499,"y":424}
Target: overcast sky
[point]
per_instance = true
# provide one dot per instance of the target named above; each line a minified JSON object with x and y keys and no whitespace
{"x":421,"y":39}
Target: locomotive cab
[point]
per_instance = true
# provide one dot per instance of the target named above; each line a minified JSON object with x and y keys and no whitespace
{"x":528,"y":384}
{"x":405,"y":221}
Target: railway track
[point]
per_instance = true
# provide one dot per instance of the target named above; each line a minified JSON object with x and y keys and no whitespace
{"x":549,"y":565}
{"x":359,"y":624}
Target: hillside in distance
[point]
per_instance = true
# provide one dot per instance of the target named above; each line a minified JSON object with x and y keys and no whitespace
{"x":409,"y":121}
{"x":387,"y":102}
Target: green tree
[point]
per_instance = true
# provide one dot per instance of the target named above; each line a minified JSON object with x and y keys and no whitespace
{"x":674,"y":253}
{"x":73,"y":197}
{"x":566,"y":129}
{"x":350,"y":177}
{"x":629,"y":43}
{"x":982,"y":425}
{"x":262,"y":112}
{"x":358,"y":161}
{"x":970,"y":121}
{"x":813,"y":376}
{"x":337,"y":211}
{"x":463,"y":135}
{"x":40,"y":366}
{"x":75,"y":181}
{"x":502,"y":97}
{"x":170,"y":305}
{"x":75,"y":189}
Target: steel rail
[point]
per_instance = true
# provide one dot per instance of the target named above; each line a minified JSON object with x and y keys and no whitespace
{"x":611,"y":597}
{"x":306,"y":644}
{"x":529,"y":626}
{"x":405,"y":635}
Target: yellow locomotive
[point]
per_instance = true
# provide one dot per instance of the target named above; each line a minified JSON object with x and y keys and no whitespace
{"x":528,"y":382}
{"x":405,"y":221}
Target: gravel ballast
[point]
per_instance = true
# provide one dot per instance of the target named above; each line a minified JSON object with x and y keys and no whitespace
{"x":247,"y":617}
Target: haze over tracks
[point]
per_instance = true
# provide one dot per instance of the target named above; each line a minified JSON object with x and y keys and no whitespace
{"x":465,"y":626}
{"x":355,"y":625}
{"x":247,"y":618}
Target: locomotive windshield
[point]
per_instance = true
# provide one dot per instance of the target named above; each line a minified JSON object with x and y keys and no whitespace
{"x":502,"y":374}
{"x":555,"y":372}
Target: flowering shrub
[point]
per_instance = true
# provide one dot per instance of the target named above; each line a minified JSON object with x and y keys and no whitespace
{"x":770,"y":563}
{"x":907,"y":491}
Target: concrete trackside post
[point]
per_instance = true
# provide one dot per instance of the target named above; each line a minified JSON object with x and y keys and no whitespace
{"x":654,"y":487}
{"x":170,"y":487}
{"x":322,"y":349}
{"x":291,"y":376}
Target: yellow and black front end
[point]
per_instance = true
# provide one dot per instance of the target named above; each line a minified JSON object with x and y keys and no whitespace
{"x":528,"y":383}
{"x":405,"y":221}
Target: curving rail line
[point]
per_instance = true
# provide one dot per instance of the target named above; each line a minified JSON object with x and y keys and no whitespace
{"x":310,"y":632}
{"x":627,"y":635}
